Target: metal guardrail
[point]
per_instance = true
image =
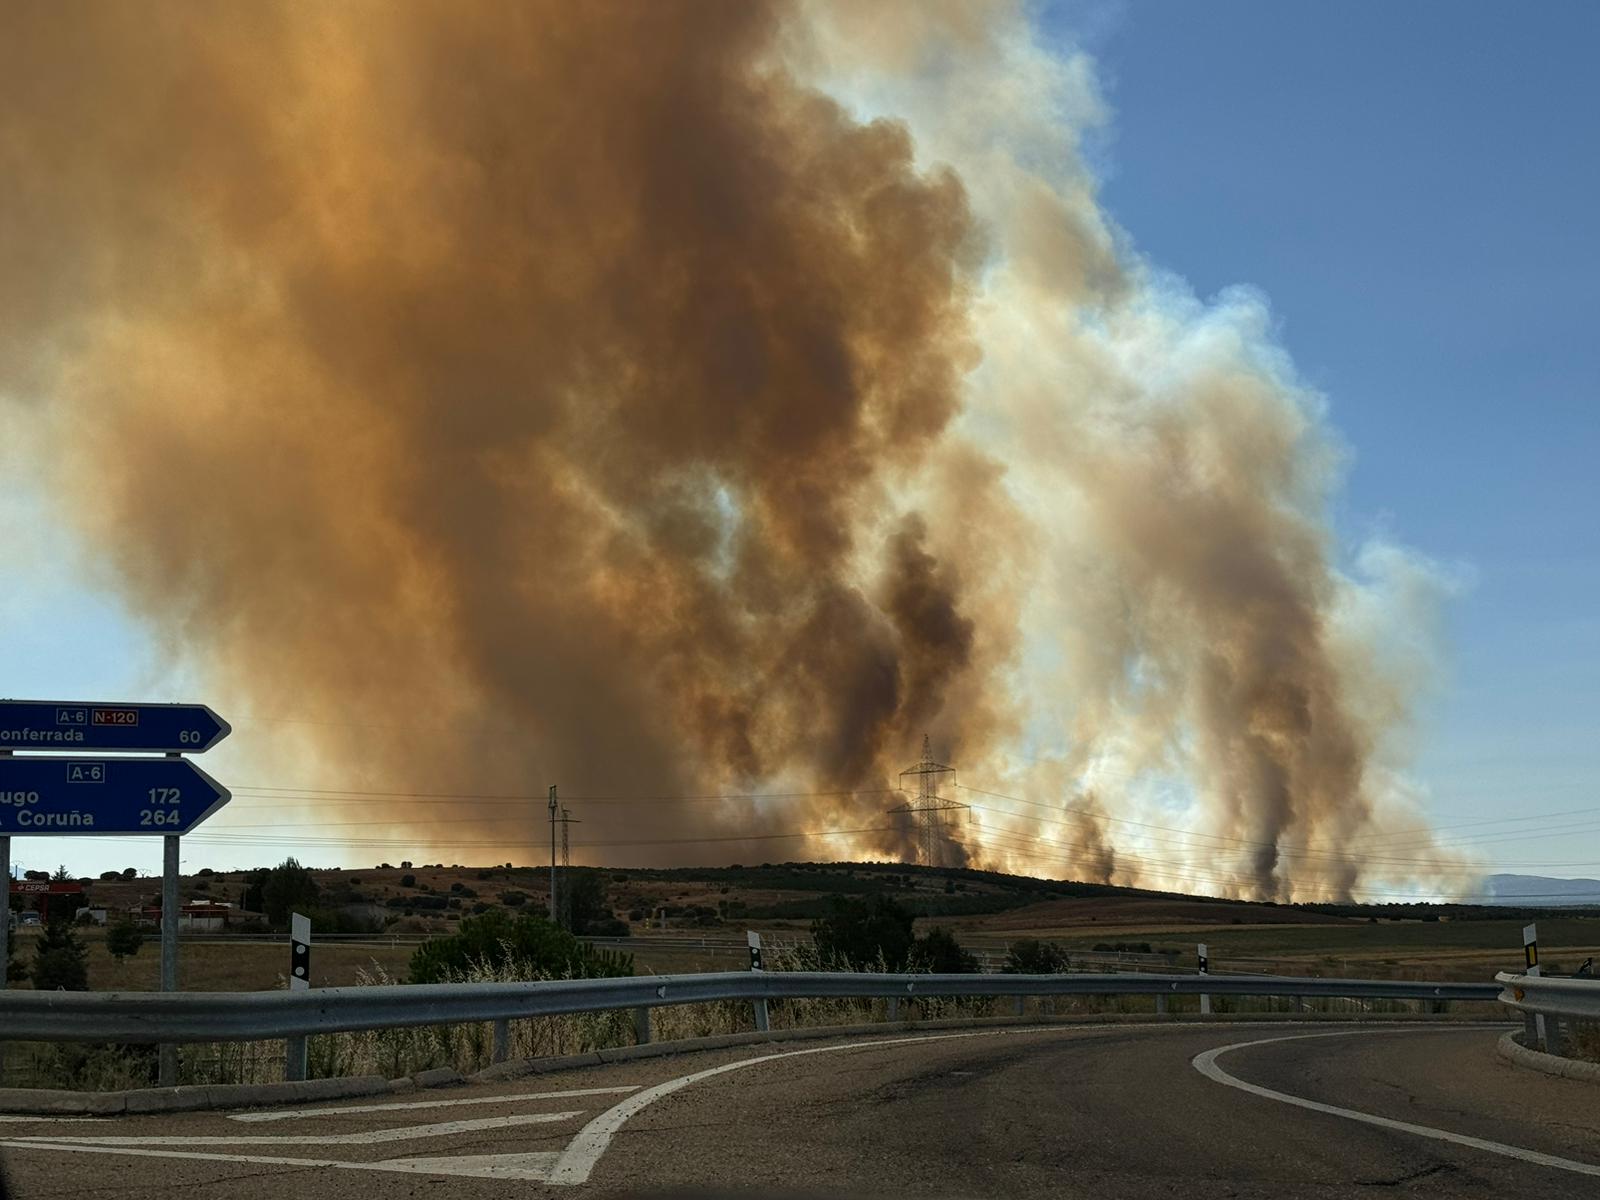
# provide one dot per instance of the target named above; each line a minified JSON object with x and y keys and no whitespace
{"x":1545,"y":1002}
{"x":178,"y":1017}
{"x":1575,"y":998}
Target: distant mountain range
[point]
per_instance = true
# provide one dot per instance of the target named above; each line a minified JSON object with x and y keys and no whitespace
{"x":1539,"y":891}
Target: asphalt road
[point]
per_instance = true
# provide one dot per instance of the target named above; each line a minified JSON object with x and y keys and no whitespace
{"x":1105,"y":1111}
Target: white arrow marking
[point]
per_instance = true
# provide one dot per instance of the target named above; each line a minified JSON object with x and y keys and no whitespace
{"x":581,"y":1154}
{"x":534,"y":1167}
{"x":368,"y":1137}
{"x":274,"y":1115}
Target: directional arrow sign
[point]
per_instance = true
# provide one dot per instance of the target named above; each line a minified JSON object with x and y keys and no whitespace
{"x":74,"y":725}
{"x":105,"y":795}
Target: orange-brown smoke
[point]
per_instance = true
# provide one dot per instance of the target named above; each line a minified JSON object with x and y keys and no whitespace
{"x":517,"y":393}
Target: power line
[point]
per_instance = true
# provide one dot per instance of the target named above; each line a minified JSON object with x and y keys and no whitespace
{"x":355,"y":796}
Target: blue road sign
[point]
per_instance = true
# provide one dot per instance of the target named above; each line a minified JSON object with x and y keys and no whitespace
{"x":100,"y":796}
{"x":74,"y":725}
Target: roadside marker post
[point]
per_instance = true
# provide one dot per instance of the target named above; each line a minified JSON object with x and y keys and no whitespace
{"x":753,"y":940}
{"x":1539,"y":1032}
{"x":294,"y":1064}
{"x":59,"y":788}
{"x":299,"y":952}
{"x":1205,"y":969}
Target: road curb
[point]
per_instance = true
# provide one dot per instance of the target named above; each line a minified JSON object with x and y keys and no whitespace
{"x":1515,"y":1052}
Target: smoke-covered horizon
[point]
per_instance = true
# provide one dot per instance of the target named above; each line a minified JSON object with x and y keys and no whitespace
{"x":674,"y":400}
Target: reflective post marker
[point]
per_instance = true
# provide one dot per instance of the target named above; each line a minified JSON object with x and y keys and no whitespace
{"x":1534,"y":1031}
{"x":168,"y":1069}
{"x":294,"y":1064}
{"x":753,"y":940}
{"x":1205,"y":969}
{"x":299,"y":952}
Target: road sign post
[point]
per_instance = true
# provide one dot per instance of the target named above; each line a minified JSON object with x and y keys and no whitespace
{"x":105,"y":796}
{"x":71,"y":726}
{"x":71,"y":792}
{"x":1204,"y":969}
{"x":5,"y":931}
{"x":294,"y":1065}
{"x":168,"y":1059}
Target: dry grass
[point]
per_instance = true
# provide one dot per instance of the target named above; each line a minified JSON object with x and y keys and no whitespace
{"x":227,"y":966}
{"x":1583,"y":1040}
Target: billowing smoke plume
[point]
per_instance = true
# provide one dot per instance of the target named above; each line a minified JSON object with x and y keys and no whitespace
{"x":674,"y":399}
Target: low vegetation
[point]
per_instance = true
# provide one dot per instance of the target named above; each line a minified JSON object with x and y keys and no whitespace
{"x":60,"y":961}
{"x":525,"y":947}
{"x":877,"y":934}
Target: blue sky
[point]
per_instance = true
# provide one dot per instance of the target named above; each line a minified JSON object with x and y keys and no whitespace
{"x":1414,"y":186}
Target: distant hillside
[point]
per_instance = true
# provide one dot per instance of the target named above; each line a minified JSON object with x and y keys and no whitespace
{"x":1540,"y":891}
{"x":425,"y":898}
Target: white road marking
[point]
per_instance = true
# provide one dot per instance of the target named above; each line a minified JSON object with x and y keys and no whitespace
{"x":581,"y":1154}
{"x":532,"y":1167}
{"x":404,"y":1133}
{"x":573,"y":1164}
{"x":274,"y":1115}
{"x":19,"y":1119}
{"x":1206,"y":1064}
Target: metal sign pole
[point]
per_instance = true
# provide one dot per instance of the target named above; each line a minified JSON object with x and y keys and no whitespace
{"x":5,"y":932}
{"x":1205,"y":969}
{"x":168,"y":1076}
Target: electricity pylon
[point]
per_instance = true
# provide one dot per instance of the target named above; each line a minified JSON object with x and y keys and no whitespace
{"x":928,"y":809}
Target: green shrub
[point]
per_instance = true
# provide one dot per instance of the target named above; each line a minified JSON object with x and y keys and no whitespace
{"x":1030,"y":956}
{"x":122,"y":939}
{"x":864,"y":932}
{"x":494,"y":940}
{"x":60,"y":961}
{"x":938,"y":952}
